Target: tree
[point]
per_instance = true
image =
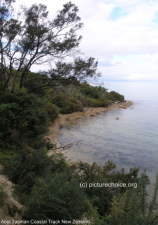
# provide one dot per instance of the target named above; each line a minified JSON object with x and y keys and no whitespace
{"x":34,"y":39}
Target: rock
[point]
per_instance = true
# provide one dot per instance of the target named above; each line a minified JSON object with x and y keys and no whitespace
{"x":117,"y":118}
{"x":10,"y":207}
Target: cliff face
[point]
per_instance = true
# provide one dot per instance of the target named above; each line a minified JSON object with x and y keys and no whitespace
{"x":9,"y":206}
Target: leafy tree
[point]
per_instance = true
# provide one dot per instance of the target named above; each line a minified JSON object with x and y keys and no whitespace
{"x":34,"y":39}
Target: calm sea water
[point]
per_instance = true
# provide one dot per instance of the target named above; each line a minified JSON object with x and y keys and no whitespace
{"x":131,"y":141}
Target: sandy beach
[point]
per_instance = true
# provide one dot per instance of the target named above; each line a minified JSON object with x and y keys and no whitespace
{"x":72,"y":118}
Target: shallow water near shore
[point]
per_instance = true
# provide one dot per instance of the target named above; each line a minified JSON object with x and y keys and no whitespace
{"x":131,"y":141}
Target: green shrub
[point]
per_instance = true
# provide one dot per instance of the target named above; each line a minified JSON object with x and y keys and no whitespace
{"x":114,"y":96}
{"x":84,"y":101}
{"x":99,"y":197}
{"x":8,"y":121}
{"x":59,"y":100}
{"x":52,"y":110}
{"x":67,"y":104}
{"x":134,"y":207}
{"x":100,"y":102}
{"x":72,"y":105}
{"x":23,"y":118}
{"x":7,"y":152}
{"x":91,"y":91}
{"x":56,"y":197}
{"x":25,"y":168}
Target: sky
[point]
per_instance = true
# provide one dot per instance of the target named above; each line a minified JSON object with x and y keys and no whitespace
{"x":122,"y":35}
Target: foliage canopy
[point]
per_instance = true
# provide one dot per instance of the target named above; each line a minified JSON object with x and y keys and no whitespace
{"x":31,"y":38}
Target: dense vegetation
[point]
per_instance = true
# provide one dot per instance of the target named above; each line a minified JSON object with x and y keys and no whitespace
{"x":25,"y":117}
{"x":51,"y":187}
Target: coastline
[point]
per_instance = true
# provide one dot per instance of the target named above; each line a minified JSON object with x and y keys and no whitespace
{"x":72,"y":119}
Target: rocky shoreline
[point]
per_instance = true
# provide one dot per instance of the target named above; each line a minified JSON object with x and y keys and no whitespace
{"x":72,"y":118}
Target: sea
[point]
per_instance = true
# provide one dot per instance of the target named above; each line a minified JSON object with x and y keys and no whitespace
{"x":130,"y":142}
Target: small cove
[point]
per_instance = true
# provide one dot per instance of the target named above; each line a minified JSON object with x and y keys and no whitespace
{"x":131,"y":141}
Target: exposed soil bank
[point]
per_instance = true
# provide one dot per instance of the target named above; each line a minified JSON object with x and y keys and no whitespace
{"x":72,"y":118}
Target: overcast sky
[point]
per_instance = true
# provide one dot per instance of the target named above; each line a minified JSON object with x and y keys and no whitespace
{"x":122,"y":35}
